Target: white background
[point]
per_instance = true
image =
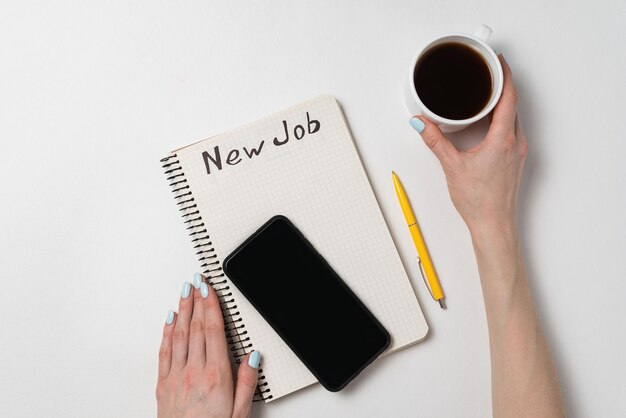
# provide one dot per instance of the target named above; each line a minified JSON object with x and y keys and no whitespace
{"x":93,"y":253}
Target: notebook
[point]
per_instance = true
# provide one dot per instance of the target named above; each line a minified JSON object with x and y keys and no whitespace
{"x":301,"y":163}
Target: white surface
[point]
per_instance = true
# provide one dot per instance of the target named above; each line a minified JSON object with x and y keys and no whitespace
{"x":93,"y":254}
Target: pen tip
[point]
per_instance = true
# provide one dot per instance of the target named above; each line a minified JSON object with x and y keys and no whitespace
{"x":442,"y":304}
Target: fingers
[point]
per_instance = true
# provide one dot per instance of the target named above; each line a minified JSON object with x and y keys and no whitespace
{"x":246,"y":384}
{"x":165,"y":352}
{"x":215,"y":338}
{"x":503,"y":119}
{"x":196,"y":326}
{"x":180,"y":337}
{"x":197,"y":334}
{"x":434,"y":139}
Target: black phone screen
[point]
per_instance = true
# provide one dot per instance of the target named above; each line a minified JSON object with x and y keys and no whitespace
{"x":306,"y":302}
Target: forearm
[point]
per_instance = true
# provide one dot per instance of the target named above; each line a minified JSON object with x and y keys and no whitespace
{"x":524,"y":381}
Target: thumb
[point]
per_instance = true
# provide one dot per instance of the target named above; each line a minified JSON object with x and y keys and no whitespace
{"x":247,"y":376}
{"x":434,"y":139}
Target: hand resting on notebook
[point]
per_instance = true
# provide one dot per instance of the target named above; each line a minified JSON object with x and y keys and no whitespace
{"x":195,"y":377}
{"x":483,"y":184}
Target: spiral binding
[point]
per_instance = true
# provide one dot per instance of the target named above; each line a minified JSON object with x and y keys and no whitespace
{"x":236,"y":334}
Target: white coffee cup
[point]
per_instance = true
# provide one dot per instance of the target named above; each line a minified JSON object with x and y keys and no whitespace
{"x":478,"y":42}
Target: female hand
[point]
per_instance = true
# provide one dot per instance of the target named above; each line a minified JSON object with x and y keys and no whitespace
{"x":483,"y":184}
{"x":195,"y":377}
{"x":484,"y":181}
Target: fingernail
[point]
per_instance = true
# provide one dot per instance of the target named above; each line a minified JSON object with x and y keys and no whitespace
{"x":204,"y":290}
{"x":170,"y":317}
{"x":186,"y":290}
{"x":417,"y":124}
{"x":254,"y":360}
{"x":197,"y":279}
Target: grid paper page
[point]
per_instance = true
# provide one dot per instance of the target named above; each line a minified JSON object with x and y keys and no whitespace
{"x":319,"y":183}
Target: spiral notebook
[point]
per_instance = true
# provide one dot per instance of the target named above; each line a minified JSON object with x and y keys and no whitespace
{"x":302,"y":163}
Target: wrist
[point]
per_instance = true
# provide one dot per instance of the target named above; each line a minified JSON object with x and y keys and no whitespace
{"x":493,"y":231}
{"x":499,"y":259}
{"x":496,"y":242}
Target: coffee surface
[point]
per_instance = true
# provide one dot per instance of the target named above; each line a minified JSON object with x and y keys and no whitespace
{"x":453,"y":80}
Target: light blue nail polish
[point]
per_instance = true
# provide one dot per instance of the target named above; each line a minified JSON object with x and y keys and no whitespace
{"x":254,"y":360}
{"x":417,"y":124}
{"x":204,"y":290}
{"x":186,"y":290}
{"x":197,"y":279}
{"x":170,"y":317}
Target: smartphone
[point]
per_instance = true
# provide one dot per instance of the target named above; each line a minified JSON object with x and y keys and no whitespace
{"x":306,"y":302}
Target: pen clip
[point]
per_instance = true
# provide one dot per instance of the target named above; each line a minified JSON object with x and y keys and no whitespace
{"x":423,"y":273}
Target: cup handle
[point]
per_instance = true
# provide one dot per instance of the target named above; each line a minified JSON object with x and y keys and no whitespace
{"x":483,"y":32}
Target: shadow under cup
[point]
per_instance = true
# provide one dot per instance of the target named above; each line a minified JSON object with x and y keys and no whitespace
{"x":456,"y":56}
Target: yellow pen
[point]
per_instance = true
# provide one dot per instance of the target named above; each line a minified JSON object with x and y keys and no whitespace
{"x":423,"y":258}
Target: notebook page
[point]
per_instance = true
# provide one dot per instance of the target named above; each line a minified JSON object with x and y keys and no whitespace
{"x":319,"y":183}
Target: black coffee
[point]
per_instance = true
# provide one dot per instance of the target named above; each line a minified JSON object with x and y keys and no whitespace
{"x":453,"y":81}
